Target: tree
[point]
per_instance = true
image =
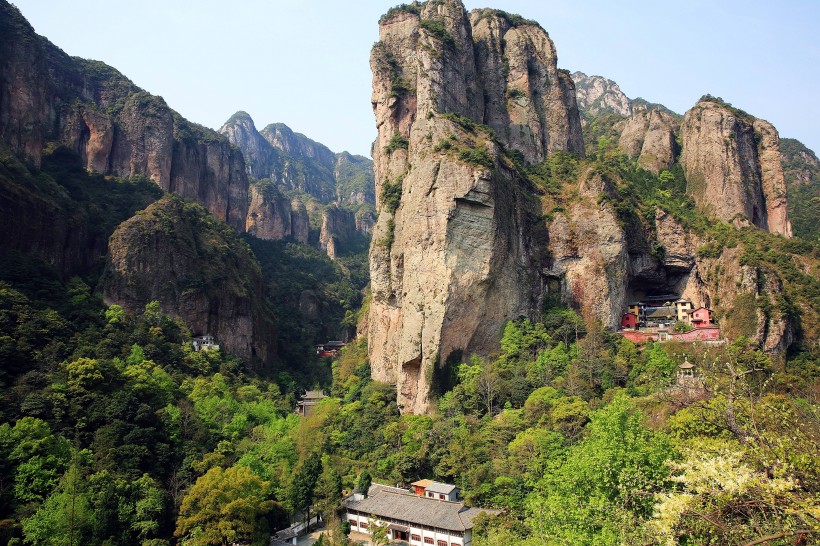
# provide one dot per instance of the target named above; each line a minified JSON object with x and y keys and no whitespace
{"x":65,"y":518}
{"x":379,"y":533}
{"x":223,"y":507}
{"x":303,"y":485}
{"x":329,"y":487}
{"x":363,"y":485}
{"x":605,"y":484}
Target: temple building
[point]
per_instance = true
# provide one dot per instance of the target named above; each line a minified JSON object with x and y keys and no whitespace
{"x":310,"y":399}
{"x":428,"y":513}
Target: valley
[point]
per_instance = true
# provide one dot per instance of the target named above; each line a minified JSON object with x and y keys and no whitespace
{"x":558,"y":314}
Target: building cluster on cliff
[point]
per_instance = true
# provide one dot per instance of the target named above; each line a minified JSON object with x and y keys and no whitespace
{"x":658,"y":318}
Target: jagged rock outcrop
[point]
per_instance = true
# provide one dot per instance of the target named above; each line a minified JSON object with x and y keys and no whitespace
{"x":599,"y":95}
{"x":530,"y":104}
{"x":733,"y":166}
{"x":338,"y":230}
{"x":648,"y":135}
{"x":293,"y":162}
{"x":259,"y":154}
{"x":601,"y":264}
{"x":113,"y":125}
{"x":198,"y":269}
{"x":455,"y":248}
{"x":273,"y":216}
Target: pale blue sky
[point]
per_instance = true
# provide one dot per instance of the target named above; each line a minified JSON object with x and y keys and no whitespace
{"x":306,"y":63}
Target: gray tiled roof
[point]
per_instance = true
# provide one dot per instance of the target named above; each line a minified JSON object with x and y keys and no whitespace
{"x":383,"y":503}
{"x":438,"y":487}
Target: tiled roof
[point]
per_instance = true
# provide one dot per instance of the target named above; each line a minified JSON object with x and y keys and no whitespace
{"x":422,"y":483}
{"x":438,"y":487}
{"x":384,"y":503}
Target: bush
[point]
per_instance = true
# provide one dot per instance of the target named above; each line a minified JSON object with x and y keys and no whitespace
{"x":396,"y":143}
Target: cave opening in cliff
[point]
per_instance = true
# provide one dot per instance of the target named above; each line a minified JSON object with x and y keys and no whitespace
{"x":668,"y":286}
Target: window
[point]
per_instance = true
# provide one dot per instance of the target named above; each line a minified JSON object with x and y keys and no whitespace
{"x":428,"y":540}
{"x":363,"y":525}
{"x":415,"y":537}
{"x":353,"y":523}
{"x":441,"y":497}
{"x":442,"y":543}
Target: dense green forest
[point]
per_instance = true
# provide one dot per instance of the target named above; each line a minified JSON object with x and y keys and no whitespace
{"x":115,"y":432}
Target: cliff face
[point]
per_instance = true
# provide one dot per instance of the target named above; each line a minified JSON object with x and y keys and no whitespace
{"x":649,"y":137}
{"x":113,"y":125}
{"x":530,"y":104}
{"x":198,"y":269}
{"x":273,"y":217}
{"x":338,"y":230}
{"x":599,"y":95}
{"x":241,"y":132}
{"x":454,"y":252}
{"x":733,"y":166}
{"x":802,"y":171}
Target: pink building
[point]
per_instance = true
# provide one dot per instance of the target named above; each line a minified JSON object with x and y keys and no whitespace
{"x":701,"y":318}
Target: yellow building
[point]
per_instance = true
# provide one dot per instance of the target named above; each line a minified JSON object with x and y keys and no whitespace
{"x":683,"y":308}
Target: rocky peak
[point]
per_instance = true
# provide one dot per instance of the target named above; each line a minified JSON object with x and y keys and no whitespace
{"x":198,"y":269}
{"x":733,"y":166}
{"x":293,"y":162}
{"x":297,"y":145}
{"x":648,"y":135}
{"x":530,"y":103}
{"x":241,"y":132}
{"x":599,"y":95}
{"x":453,"y":255}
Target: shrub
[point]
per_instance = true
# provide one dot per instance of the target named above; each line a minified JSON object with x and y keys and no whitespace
{"x":396,"y":143}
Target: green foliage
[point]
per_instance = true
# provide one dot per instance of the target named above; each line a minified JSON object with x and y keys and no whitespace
{"x":391,"y":195}
{"x":295,"y":274}
{"x":512,"y":19}
{"x":438,"y":29}
{"x":556,"y":171}
{"x":479,"y":157}
{"x":802,"y":171}
{"x":737,"y":112}
{"x":414,"y":8}
{"x":224,"y":507}
{"x":606,"y":482}
{"x":397,"y":142}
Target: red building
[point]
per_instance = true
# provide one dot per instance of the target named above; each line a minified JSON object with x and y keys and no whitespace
{"x":701,"y":318}
{"x":629,"y":320}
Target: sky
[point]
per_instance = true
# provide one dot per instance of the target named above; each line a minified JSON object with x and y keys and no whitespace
{"x":306,"y":63}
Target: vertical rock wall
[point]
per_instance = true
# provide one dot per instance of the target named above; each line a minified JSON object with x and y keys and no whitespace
{"x":733,"y":166}
{"x":454,"y":252}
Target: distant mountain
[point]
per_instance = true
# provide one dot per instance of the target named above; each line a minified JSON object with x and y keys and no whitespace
{"x":296,"y":163}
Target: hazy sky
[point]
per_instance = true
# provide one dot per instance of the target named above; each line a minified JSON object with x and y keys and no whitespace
{"x":305,"y":63}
